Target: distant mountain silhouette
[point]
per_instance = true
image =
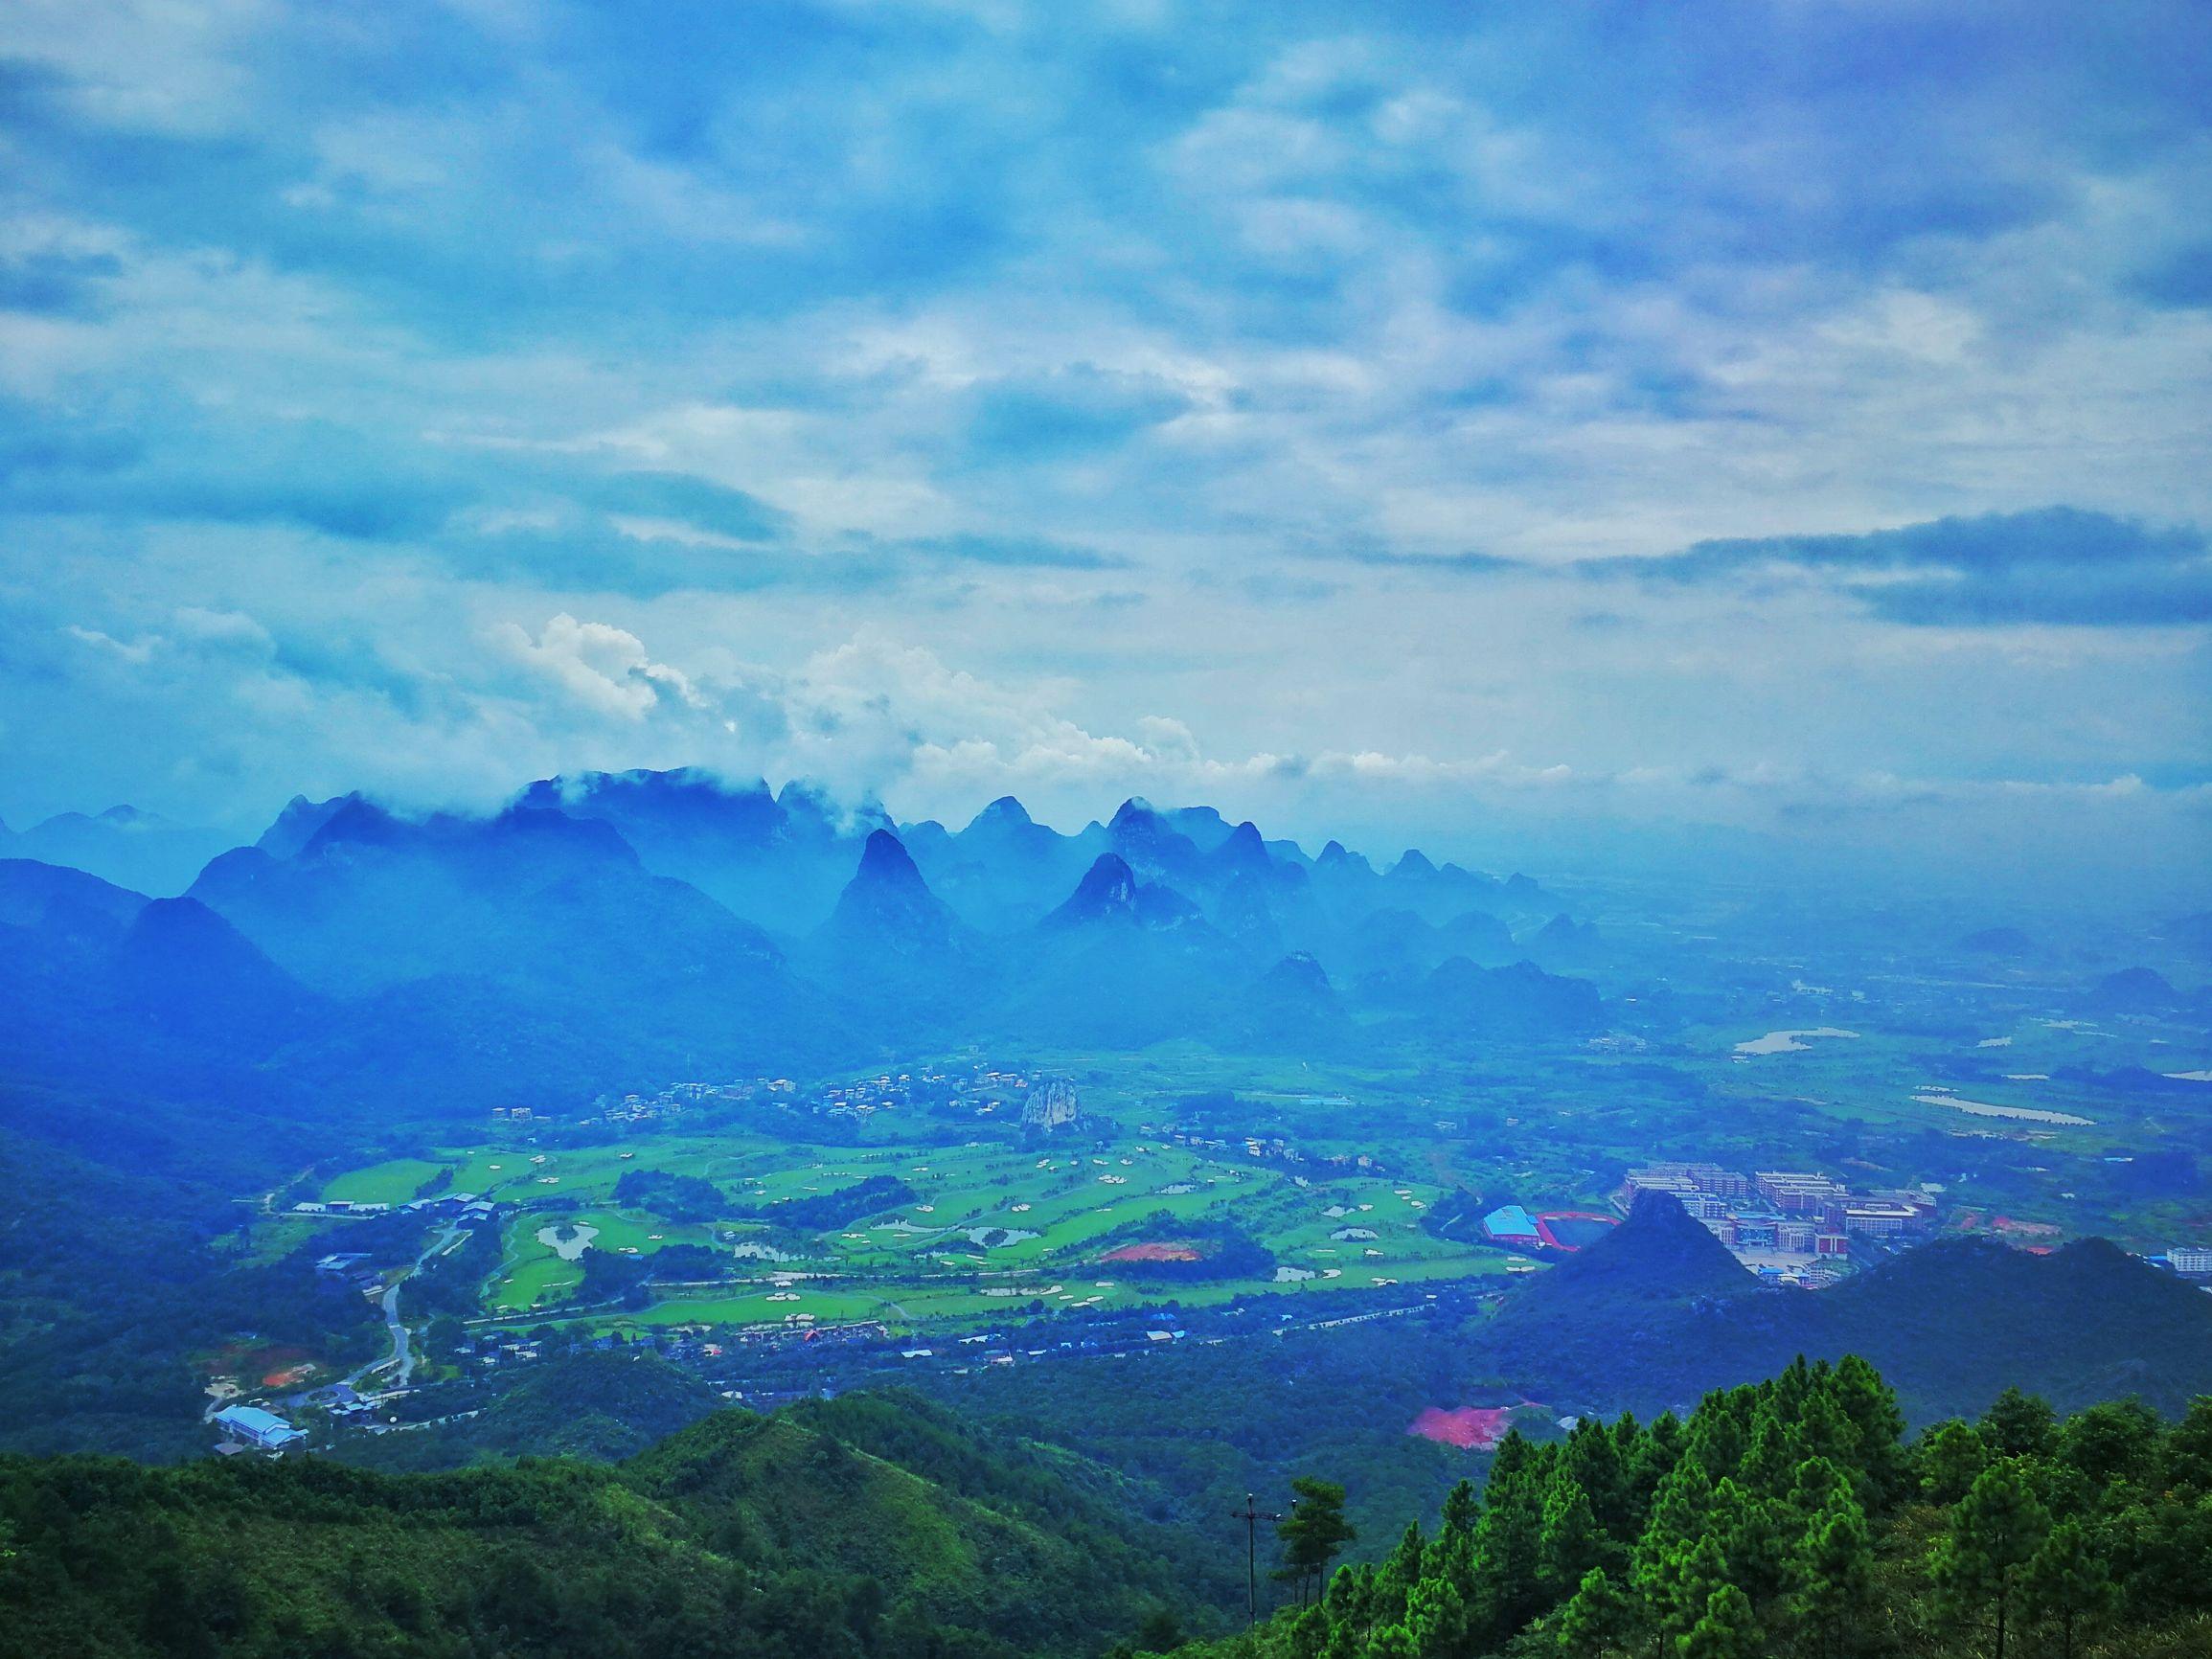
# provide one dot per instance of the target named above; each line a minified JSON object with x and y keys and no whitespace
{"x":601,"y":929}
{"x":1110,"y":894}
{"x":1657,"y":1312}
{"x":2134,"y":990}
{"x":778,"y":860}
{"x":888,"y":907}
{"x":1292,"y":1009}
{"x":1520,"y":999}
{"x":1563,"y":942}
{"x":136,"y":849}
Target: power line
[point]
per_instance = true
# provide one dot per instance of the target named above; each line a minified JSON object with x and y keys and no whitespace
{"x":1252,"y":1514}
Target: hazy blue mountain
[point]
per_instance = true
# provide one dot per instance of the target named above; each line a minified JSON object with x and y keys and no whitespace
{"x":35,"y":895}
{"x":103,"y":983}
{"x":1203,"y":826}
{"x":1998,"y":942}
{"x":539,"y":952}
{"x":1244,"y":913}
{"x":1120,"y":961}
{"x":1518,"y":1000}
{"x":887,"y":909}
{"x":778,"y":860}
{"x":1563,"y":942}
{"x":1109,"y":895}
{"x":2192,"y":935}
{"x":182,"y":970}
{"x":137,"y":850}
{"x":1398,"y":939}
{"x":1004,"y":869}
{"x":300,"y":820}
{"x":1657,"y":1312}
{"x":1153,"y":847}
{"x":2134,"y":990}
{"x":1289,"y":1010}
{"x":532,"y":905}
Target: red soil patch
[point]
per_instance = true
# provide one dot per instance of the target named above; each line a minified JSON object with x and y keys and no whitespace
{"x":291,"y":1374}
{"x":1476,"y":1427}
{"x":1169,"y":1252}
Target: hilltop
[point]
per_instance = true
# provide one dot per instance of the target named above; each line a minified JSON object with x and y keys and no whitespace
{"x":1656,"y":1312}
{"x":880,"y":1524}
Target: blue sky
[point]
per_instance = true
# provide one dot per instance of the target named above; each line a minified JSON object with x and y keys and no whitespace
{"x":1473,"y":424}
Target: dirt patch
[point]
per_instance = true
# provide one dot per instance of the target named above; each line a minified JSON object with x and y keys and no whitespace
{"x":1476,"y":1427}
{"x":1168,"y":1250}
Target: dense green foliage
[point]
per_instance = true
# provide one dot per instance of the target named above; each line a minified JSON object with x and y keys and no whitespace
{"x":842,"y":1207}
{"x":678,"y":1197}
{"x":1791,"y":1517}
{"x":877,"y":1526}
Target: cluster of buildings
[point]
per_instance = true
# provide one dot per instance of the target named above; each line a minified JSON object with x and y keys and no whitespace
{"x":468,"y":1204}
{"x":2191,"y":1260}
{"x":1784,"y":1213}
{"x":984,"y":1090}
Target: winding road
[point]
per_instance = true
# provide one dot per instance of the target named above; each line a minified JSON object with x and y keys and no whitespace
{"x":402,"y":1355}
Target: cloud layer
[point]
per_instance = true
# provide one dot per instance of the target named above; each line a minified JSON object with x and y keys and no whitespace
{"x":1794,"y":416}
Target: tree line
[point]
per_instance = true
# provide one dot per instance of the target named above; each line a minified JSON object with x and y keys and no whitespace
{"x":1787,"y":1518}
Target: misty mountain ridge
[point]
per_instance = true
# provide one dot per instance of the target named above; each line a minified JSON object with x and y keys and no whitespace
{"x":614,"y":928}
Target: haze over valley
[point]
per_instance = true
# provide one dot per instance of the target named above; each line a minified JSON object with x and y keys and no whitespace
{"x":959,"y":829}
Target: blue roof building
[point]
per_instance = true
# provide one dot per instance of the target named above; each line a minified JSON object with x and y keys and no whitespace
{"x":1512,"y":1222}
{"x":257,"y":1427}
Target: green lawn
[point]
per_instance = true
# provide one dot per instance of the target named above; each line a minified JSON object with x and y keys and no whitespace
{"x":389,"y":1183}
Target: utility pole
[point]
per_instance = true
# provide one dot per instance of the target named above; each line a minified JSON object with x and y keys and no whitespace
{"x":1252,"y":1514}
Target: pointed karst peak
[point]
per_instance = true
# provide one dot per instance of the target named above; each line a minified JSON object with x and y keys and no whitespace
{"x":1661,"y":1249}
{"x":1136,"y":809}
{"x":884,"y":862}
{"x":1413,"y":862}
{"x":1107,"y":890}
{"x":1006,"y":809}
{"x":1245,"y":842}
{"x":1110,"y":883}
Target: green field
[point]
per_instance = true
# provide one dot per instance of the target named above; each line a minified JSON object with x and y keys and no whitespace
{"x":994,"y":1227}
{"x":389,"y":1183}
{"x":998,"y":1226}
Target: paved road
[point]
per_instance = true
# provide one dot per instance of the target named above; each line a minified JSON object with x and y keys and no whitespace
{"x":402,"y":1355}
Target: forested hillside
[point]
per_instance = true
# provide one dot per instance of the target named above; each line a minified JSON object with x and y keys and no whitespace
{"x":874,"y":1526}
{"x":1790,"y":1517}
{"x":1786,"y":1518}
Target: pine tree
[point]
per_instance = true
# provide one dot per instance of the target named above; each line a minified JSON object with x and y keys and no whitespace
{"x":1508,"y":1552}
{"x":1750,"y":1541}
{"x":1571,"y":1542}
{"x":1871,"y":1405}
{"x":1598,"y":1616}
{"x":1815,"y":1482}
{"x":1314,"y":1531}
{"x":1831,"y":1577}
{"x":1952,"y":1457}
{"x":1592,"y":1459}
{"x":2019,"y":1425}
{"x":2069,"y":1583}
{"x":1436,"y":1618}
{"x":1994,"y":1532}
{"x":1726,"y":1629}
{"x":1685,"y":1585}
{"x":1774,"y":1456}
